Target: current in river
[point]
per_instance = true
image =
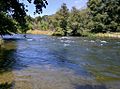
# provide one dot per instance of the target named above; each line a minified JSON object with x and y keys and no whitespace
{"x":47,"y":62}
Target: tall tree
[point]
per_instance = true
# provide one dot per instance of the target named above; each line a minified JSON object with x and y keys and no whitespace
{"x":73,"y":21}
{"x":63,"y":14}
{"x":105,"y":15}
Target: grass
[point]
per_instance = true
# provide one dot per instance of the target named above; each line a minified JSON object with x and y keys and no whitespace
{"x":109,"y":35}
{"x":39,"y":32}
{"x":102,"y":35}
{"x":88,"y":34}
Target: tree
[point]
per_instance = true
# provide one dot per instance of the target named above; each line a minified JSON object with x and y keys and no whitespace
{"x":84,"y":19}
{"x":63,"y":15}
{"x":12,"y":11}
{"x":73,"y":21}
{"x":30,"y":21}
{"x":7,"y":24}
{"x":105,"y":15}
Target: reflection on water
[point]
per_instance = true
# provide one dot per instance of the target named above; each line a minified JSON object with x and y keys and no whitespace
{"x":44,"y":62}
{"x":6,"y":60}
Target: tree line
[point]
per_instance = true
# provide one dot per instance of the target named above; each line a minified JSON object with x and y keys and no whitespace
{"x":100,"y":16}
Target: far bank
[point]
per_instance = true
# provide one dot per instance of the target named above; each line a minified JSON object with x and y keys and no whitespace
{"x":103,"y":35}
{"x":40,"y":32}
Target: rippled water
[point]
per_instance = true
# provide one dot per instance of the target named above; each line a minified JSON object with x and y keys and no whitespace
{"x":45,"y":62}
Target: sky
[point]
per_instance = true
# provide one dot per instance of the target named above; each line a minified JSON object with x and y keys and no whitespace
{"x":54,"y":5}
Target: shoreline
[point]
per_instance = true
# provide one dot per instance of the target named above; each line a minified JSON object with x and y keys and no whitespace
{"x":102,"y":35}
{"x":40,"y":32}
{"x":108,"y":35}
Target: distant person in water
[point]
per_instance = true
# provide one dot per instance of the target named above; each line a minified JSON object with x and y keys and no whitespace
{"x":24,"y":35}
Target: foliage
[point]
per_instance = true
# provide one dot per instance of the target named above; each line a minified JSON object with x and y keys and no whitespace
{"x":78,"y":21}
{"x":99,"y":16}
{"x":12,"y":11}
{"x":73,"y":21}
{"x":60,"y":20}
{"x":63,"y":17}
{"x":57,"y":22}
{"x":104,"y":15}
{"x":64,"y":22}
{"x":59,"y":32}
{"x":7,"y":24}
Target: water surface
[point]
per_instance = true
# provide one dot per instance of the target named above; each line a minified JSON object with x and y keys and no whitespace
{"x":46,"y":62}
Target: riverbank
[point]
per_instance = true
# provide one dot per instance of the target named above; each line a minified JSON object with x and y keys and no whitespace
{"x":103,"y":35}
{"x":39,"y":32}
{"x":1,"y":42}
{"x":108,"y":35}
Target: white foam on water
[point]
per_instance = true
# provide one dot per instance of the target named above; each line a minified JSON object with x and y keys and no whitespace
{"x":29,"y":39}
{"x":103,"y":41}
{"x":66,"y":45}
{"x":67,"y":41}
{"x":85,"y":40}
{"x":92,"y":41}
{"x":64,"y":38}
{"x":101,"y":44}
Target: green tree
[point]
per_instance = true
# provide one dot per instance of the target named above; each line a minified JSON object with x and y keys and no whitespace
{"x":41,"y":23}
{"x":7,"y":24}
{"x":73,"y":21}
{"x":14,"y":10}
{"x":63,"y":15}
{"x":78,"y":21}
{"x":105,"y":15}
{"x":30,"y":21}
{"x":36,"y":22}
{"x":84,"y":19}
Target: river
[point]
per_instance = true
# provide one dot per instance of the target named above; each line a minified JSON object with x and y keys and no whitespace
{"x":47,"y":62}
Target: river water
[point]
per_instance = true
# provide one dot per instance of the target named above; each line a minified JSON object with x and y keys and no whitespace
{"x":46,"y":62}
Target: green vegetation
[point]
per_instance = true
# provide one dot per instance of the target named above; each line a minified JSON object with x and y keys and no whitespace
{"x":104,"y":15}
{"x":63,"y":22}
{"x":13,"y":15}
{"x":100,"y":16}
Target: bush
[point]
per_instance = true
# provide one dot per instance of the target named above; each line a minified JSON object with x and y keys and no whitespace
{"x":58,"y":32}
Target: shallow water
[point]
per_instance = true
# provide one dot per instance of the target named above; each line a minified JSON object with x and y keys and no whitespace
{"x":45,"y":62}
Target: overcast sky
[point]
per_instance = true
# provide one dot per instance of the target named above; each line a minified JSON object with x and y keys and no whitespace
{"x":54,"y":5}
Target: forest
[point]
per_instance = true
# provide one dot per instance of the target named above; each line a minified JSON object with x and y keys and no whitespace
{"x":100,"y":16}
